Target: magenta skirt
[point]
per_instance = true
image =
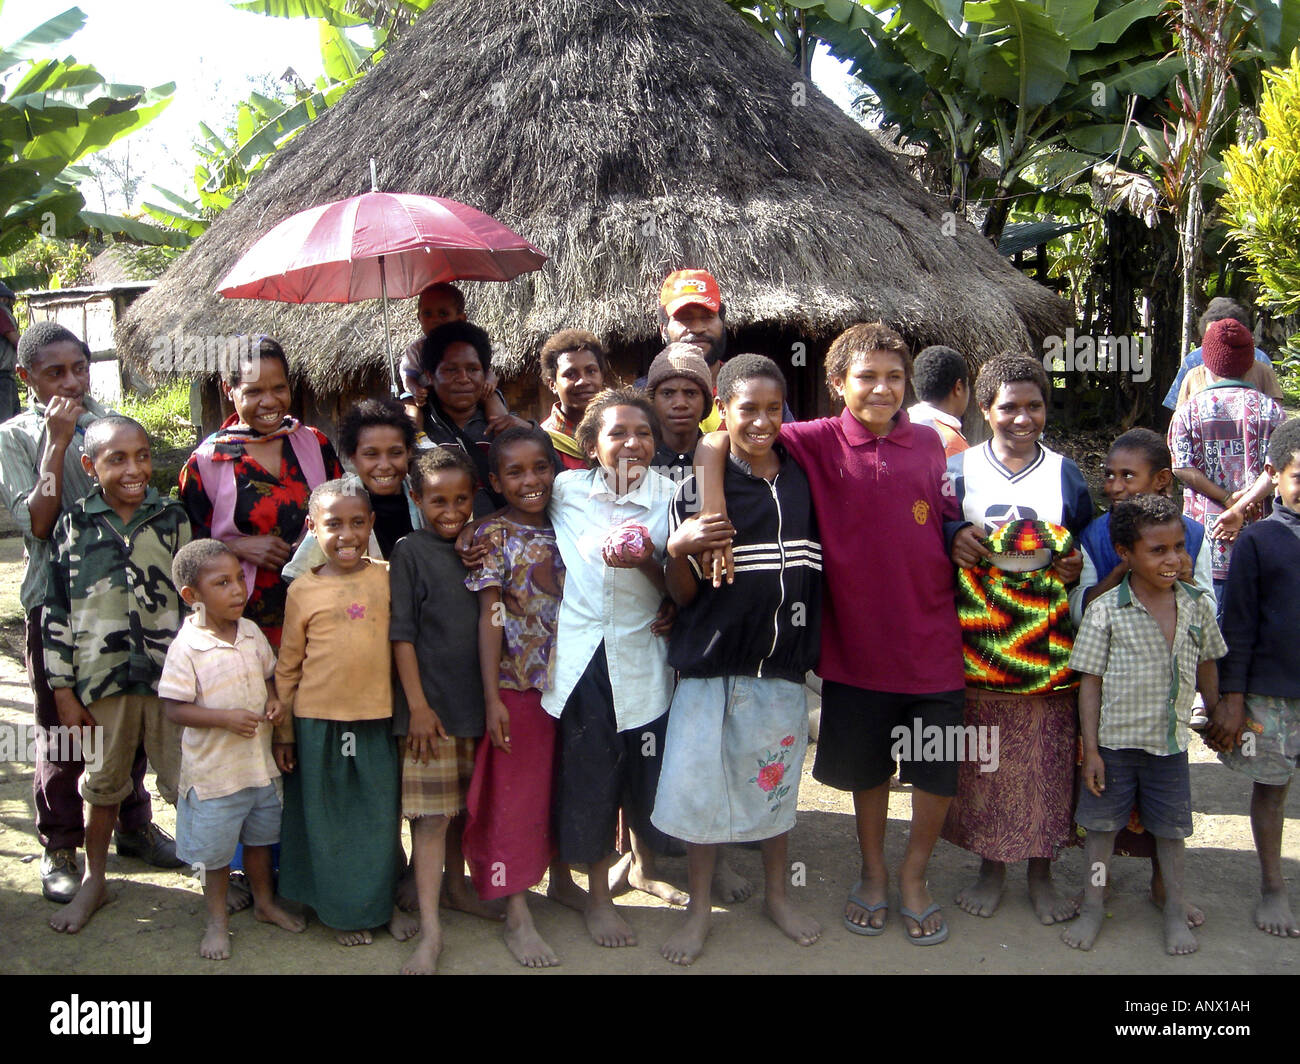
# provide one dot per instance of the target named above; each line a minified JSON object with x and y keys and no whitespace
{"x":508,"y":827}
{"x":1023,"y":808}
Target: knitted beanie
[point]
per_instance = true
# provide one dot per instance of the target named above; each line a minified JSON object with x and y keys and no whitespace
{"x":680,"y":360}
{"x":1228,"y":348}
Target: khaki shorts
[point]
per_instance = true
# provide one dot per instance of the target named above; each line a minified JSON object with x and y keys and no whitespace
{"x":124,"y":722}
{"x":437,"y":788}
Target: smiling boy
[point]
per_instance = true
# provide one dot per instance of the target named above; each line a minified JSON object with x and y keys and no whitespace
{"x":111,"y":614}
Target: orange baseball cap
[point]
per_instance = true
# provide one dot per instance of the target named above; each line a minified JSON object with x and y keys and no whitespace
{"x":689,"y":286}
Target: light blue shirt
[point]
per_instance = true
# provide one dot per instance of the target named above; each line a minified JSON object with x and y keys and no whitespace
{"x":609,"y":604}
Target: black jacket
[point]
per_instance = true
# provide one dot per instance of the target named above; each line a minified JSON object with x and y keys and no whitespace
{"x":768,"y":622}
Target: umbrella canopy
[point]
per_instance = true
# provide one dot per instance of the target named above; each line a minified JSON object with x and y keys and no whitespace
{"x":331,"y":253}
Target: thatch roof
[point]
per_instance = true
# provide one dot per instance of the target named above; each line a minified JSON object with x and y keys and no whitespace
{"x":625,"y":138}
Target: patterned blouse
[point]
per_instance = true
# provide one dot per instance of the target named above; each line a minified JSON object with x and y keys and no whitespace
{"x":266,"y":504}
{"x":525,"y":564}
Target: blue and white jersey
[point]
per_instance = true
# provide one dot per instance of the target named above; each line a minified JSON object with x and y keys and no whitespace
{"x":1050,"y":488}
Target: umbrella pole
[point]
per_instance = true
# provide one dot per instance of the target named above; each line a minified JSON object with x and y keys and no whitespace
{"x":388,"y":336}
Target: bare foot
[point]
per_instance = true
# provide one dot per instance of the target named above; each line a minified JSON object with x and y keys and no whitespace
{"x":238,"y":896}
{"x":354,"y":938}
{"x":529,"y":948}
{"x":1195,"y":917}
{"x":273,"y":914}
{"x":687,"y":942}
{"x":424,"y":961}
{"x":729,"y":886}
{"x":403,"y":925}
{"x":408,"y":898}
{"x":568,"y":894}
{"x":618,"y":873}
{"x":872,"y":892}
{"x":1083,"y":932}
{"x":1272,"y":914}
{"x":458,"y":893}
{"x":981,"y":898}
{"x":1179,"y":939}
{"x":606,"y":927}
{"x":216,"y":941}
{"x":92,"y":896}
{"x":657,"y":888}
{"x":796,"y":925}
{"x":1049,"y":906}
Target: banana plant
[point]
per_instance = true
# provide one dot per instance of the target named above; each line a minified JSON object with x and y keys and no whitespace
{"x":54,"y":112}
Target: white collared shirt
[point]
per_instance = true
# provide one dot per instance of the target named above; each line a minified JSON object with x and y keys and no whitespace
{"x":604,"y":603}
{"x":924,"y":413}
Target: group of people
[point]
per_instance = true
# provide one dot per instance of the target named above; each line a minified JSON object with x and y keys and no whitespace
{"x":542,"y":645}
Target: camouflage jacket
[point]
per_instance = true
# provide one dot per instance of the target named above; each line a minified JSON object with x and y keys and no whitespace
{"x":112,"y":610}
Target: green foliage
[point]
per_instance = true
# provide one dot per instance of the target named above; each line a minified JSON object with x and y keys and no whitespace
{"x":1262,"y":202}
{"x":44,"y":263}
{"x":54,"y":112}
{"x":165,"y":414}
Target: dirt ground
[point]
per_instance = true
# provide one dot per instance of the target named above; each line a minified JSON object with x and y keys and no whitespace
{"x":154,"y":923}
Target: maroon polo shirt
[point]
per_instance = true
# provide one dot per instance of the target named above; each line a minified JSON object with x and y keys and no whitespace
{"x":889,"y":621}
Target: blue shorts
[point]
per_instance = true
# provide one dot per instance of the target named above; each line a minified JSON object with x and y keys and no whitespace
{"x":1159,"y":785}
{"x":208,"y":829}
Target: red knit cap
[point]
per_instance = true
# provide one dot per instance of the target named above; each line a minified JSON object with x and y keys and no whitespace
{"x":1228,"y":348}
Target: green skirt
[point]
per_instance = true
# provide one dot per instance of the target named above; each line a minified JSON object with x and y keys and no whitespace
{"x":340,"y":832}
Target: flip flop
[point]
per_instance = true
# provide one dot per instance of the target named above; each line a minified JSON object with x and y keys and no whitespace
{"x":932,"y":939}
{"x":865,"y":929}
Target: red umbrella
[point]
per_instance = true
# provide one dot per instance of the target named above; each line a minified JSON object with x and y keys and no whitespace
{"x":377,"y":245}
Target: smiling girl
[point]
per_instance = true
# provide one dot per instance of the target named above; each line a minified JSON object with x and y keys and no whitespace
{"x":245,"y":487}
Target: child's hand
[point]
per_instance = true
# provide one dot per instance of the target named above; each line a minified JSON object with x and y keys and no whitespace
{"x":700,"y":533}
{"x":471,"y":553}
{"x":717,"y":563}
{"x":61,"y":414}
{"x":1094,"y":772}
{"x":1227,"y":720}
{"x":627,"y":547}
{"x":266,"y":552}
{"x":423,"y":733}
{"x":285,"y":759}
{"x":662,"y":625}
{"x":242,"y":722}
{"x":1228,"y":525}
{"x":274,"y":709}
{"x":969,"y":548}
{"x":498,"y":723}
{"x":72,"y":714}
{"x":1068,"y":566}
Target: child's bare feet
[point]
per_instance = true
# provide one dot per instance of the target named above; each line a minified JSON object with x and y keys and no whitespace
{"x":1049,"y":906}
{"x":216,"y":941}
{"x":1083,"y":932}
{"x":687,"y":942}
{"x":408,"y":896}
{"x":458,"y":893}
{"x":1195,"y":917}
{"x":403,"y":925}
{"x":981,"y":898}
{"x":528,"y":947}
{"x":729,"y":886}
{"x":606,"y":927}
{"x":273,"y":914}
{"x":238,"y":896}
{"x":656,"y":888}
{"x":866,"y":905}
{"x":354,"y":938}
{"x":424,"y":961}
{"x":797,"y":926}
{"x":1272,"y":915}
{"x":567,"y":893}
{"x":92,"y":896}
{"x":1179,"y":939}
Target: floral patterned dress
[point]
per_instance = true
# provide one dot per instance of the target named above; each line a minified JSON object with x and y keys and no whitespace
{"x":266,"y":504}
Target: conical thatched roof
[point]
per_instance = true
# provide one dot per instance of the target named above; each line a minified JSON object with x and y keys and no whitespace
{"x":625,"y":138}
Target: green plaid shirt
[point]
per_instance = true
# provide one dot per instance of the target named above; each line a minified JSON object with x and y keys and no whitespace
{"x":1146,"y":690}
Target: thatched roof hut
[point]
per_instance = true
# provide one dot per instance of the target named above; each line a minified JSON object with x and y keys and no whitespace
{"x":625,"y":138}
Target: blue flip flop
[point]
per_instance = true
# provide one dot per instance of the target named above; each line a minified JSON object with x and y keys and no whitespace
{"x":864,"y":929}
{"x":932,"y":939}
